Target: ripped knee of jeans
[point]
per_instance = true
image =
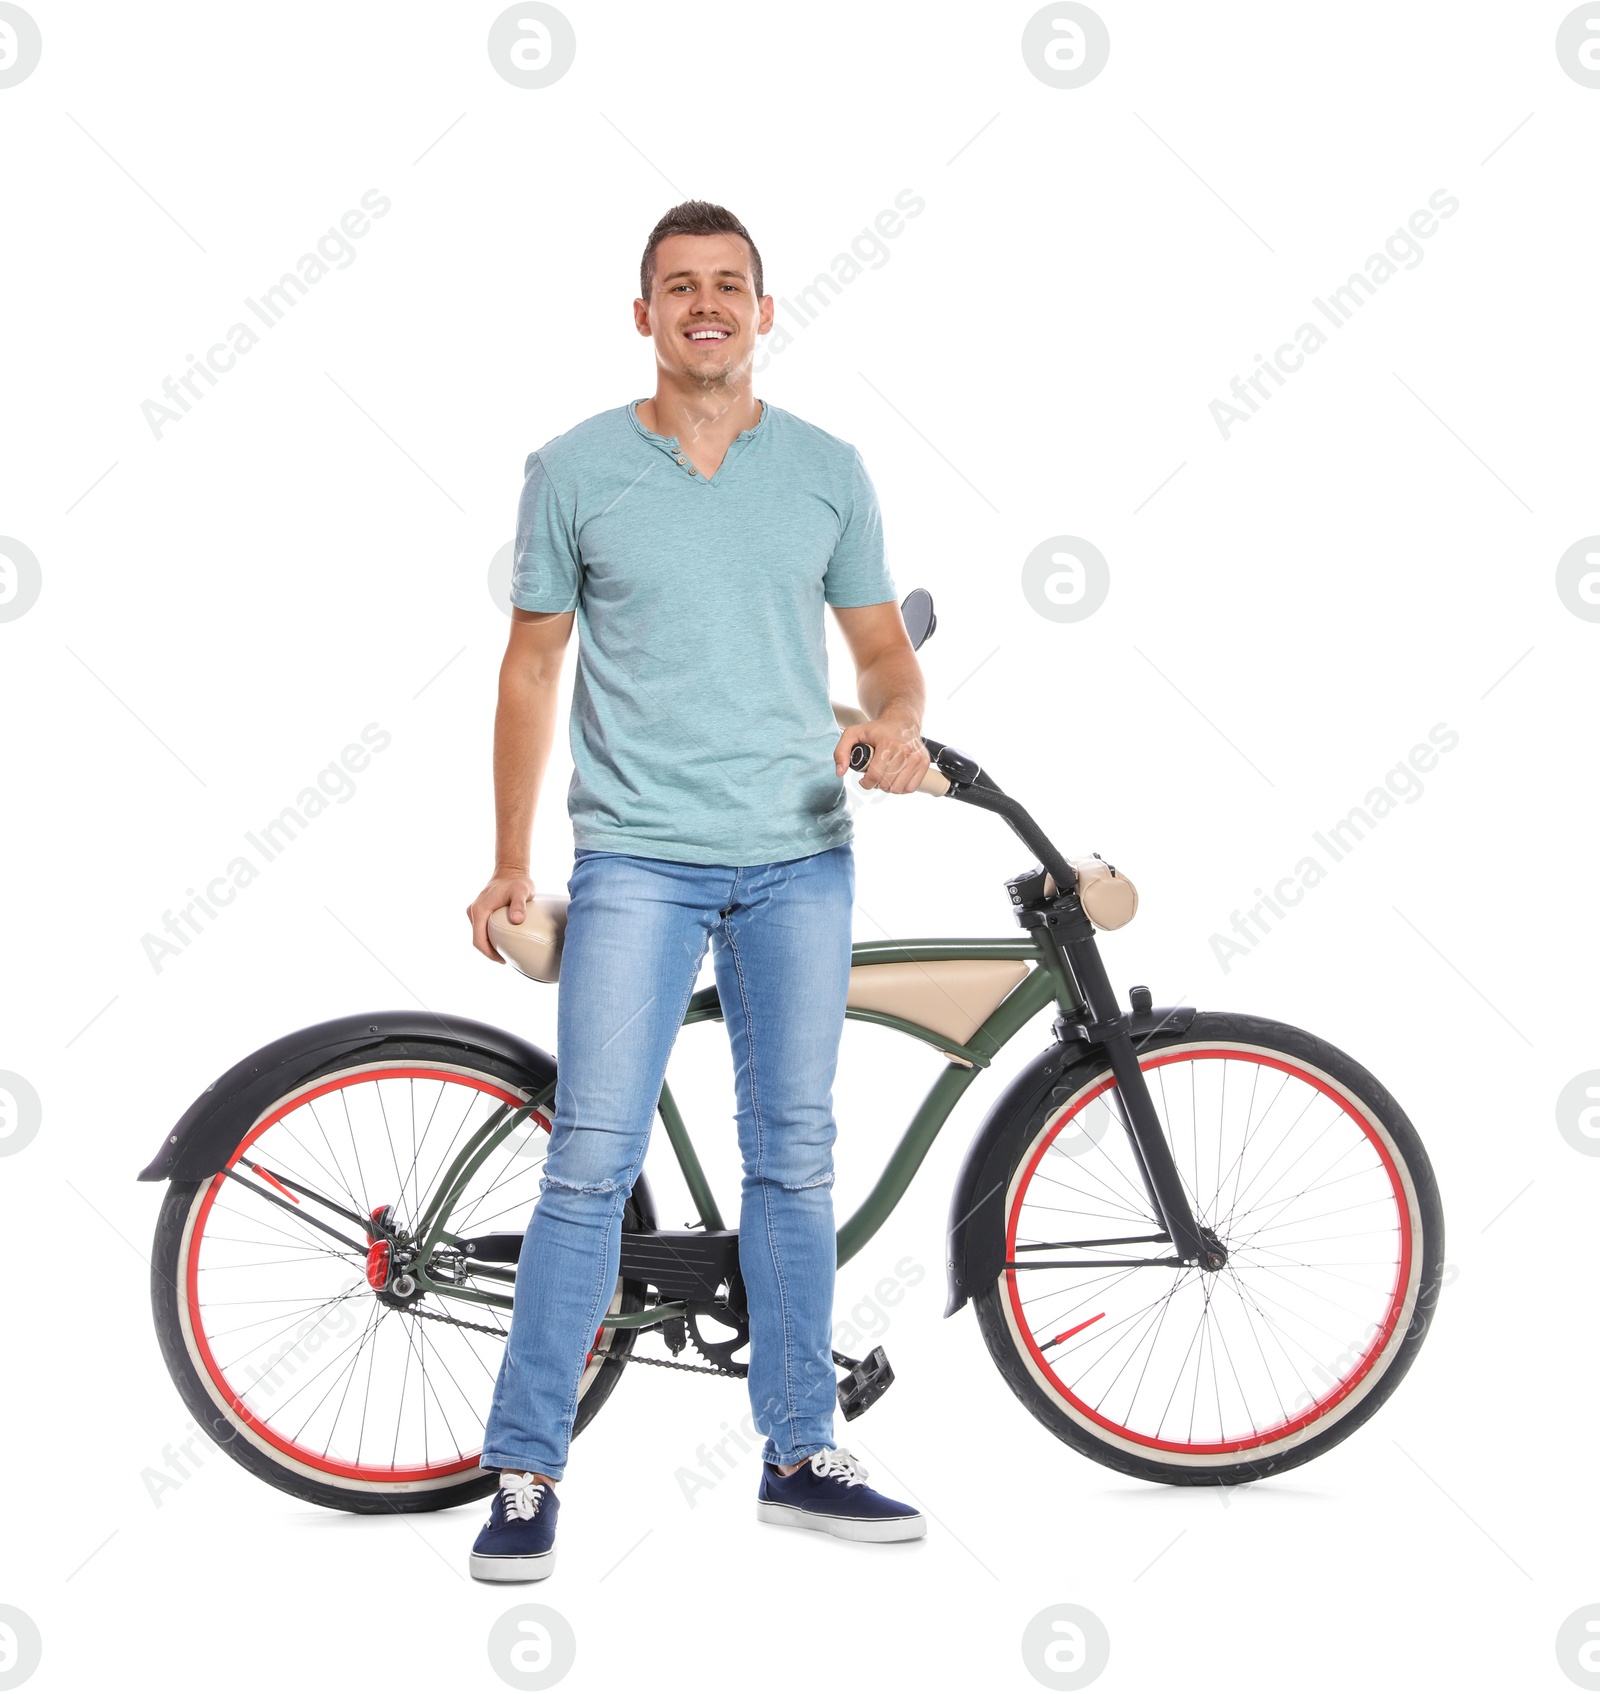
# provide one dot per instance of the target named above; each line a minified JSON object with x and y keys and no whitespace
{"x":823,"y":1179}
{"x":607,"y":1185}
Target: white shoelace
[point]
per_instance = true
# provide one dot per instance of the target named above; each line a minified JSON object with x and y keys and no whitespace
{"x":522,"y":1493}
{"x":839,"y":1462}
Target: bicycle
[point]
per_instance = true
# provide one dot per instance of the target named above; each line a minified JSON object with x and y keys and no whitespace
{"x":1202,"y":1247}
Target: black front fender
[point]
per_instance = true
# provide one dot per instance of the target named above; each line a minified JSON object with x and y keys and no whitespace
{"x":208,"y":1132}
{"x":975,"y":1240}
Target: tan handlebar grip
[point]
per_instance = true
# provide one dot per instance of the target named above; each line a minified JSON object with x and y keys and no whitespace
{"x":847,"y":717}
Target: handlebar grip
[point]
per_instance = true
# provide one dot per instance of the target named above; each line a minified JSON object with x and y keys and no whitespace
{"x":934,"y":781}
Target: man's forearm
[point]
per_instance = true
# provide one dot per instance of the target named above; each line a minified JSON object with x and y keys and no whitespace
{"x":524,"y":730}
{"x":892,"y":686}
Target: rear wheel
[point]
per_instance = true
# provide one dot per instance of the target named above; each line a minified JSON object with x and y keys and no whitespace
{"x":289,"y":1340}
{"x":1318,"y":1188}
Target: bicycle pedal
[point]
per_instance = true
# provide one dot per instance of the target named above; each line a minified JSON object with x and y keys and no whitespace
{"x":866,"y":1381}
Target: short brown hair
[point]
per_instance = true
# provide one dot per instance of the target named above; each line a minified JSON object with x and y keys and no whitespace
{"x":695,"y":217}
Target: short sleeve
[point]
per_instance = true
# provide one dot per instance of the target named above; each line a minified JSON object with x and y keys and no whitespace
{"x":857,"y":574}
{"x":546,"y":570}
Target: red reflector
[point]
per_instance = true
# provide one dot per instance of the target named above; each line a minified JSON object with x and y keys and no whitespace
{"x":267,"y":1176}
{"x":1075,"y":1328}
{"x":378,"y":1265}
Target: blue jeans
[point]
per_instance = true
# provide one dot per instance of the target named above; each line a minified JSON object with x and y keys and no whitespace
{"x":636,"y":934}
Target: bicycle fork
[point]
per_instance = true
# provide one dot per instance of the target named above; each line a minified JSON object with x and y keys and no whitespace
{"x":1102,"y":1023}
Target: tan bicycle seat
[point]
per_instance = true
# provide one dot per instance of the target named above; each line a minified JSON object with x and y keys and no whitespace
{"x":534,"y":945}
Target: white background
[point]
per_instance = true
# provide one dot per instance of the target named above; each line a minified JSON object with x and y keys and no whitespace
{"x":308,"y":552}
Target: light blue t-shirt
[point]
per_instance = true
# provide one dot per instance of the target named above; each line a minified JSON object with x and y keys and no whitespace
{"x":701,"y":728}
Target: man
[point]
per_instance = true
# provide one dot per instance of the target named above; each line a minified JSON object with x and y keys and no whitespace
{"x":695,"y":537}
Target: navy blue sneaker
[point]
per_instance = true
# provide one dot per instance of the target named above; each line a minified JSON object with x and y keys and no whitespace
{"x":830,"y":1493}
{"x":518,"y":1543}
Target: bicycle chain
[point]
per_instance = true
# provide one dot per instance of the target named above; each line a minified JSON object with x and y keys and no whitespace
{"x":460,"y":1323}
{"x":672,"y":1364}
{"x":621,"y":1358}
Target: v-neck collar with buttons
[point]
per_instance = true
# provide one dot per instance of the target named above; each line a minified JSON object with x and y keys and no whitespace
{"x":670,"y":445}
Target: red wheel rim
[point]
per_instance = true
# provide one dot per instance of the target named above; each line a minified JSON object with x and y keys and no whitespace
{"x":1387,"y":1289}
{"x":226,"y":1389}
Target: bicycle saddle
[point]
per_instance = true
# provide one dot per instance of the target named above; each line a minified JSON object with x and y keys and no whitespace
{"x":534,"y":945}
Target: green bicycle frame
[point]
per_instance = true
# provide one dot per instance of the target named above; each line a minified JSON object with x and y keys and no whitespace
{"x":1042,"y":985}
{"x":1045,"y":983}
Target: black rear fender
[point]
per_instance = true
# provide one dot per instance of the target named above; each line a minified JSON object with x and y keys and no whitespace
{"x":204,"y":1137}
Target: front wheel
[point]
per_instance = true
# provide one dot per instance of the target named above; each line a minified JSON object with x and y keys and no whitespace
{"x":1318,"y":1188}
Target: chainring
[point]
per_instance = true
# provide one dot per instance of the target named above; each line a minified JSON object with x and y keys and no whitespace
{"x":720,"y":1353}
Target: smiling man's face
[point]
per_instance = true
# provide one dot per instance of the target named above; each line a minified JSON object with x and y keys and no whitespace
{"x":703,"y":313}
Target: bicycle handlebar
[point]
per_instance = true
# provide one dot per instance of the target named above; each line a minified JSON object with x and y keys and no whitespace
{"x":962,"y":778}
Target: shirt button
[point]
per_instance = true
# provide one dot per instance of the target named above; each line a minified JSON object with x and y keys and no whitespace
{"x":680,"y":458}
{"x":693,"y":471}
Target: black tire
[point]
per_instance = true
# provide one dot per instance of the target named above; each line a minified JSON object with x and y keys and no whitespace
{"x":1390,"y":1351}
{"x":207,"y":1400}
